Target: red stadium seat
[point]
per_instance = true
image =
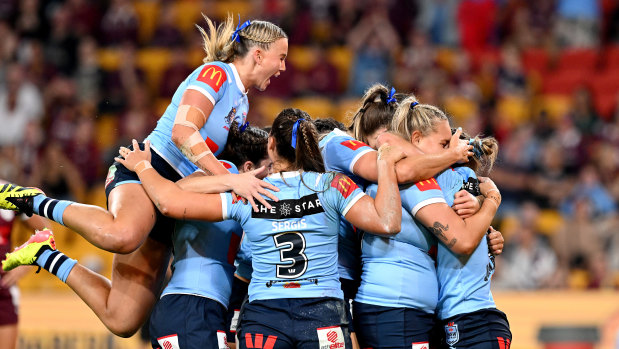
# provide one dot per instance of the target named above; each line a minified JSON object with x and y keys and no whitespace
{"x":605,"y":81}
{"x":578,"y":59}
{"x":535,"y":60}
{"x":563,"y":82}
{"x":611,"y":57}
{"x":605,"y":103}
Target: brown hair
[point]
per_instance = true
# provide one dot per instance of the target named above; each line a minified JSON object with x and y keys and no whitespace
{"x":247,"y":145}
{"x":306,"y":155}
{"x":373,"y":114}
{"x":486,"y":150}
{"x":220,"y":46}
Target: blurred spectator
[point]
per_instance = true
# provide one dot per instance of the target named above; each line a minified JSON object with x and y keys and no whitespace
{"x":322,"y":77}
{"x":85,"y":16}
{"x":119,"y":23}
{"x":293,"y":17}
{"x":374,"y":42}
{"x":20,"y":104}
{"x":417,"y":58}
{"x":61,"y":45}
{"x":578,"y":23}
{"x":438,"y":19}
{"x":344,"y":14}
{"x":119,"y":82}
{"x":476,"y":22}
{"x":57,"y":175}
{"x":588,"y":187}
{"x":82,"y":150}
{"x":528,"y":262}
{"x":30,"y":21}
{"x":582,"y":111}
{"x":167,"y":33}
{"x":511,"y":80}
{"x":177,"y":71}
{"x":88,"y":75}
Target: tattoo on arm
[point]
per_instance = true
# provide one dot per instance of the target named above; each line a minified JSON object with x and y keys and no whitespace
{"x":438,"y":229}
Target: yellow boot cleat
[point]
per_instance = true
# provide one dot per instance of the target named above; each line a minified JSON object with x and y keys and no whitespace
{"x":16,"y":198}
{"x":28,"y":253}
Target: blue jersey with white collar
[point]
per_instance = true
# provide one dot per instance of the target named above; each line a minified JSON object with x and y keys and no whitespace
{"x":464,"y":280}
{"x":399,"y":271}
{"x":340,"y":153}
{"x":294,"y":244}
{"x":221,"y":84}
{"x":204,"y":255}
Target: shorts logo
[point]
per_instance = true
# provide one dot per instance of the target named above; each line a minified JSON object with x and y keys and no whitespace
{"x":213,"y":76}
{"x":110,"y":175}
{"x":330,"y":337}
{"x":452,"y":336}
{"x":344,"y":185}
{"x":222,"y":340}
{"x":169,"y":342}
{"x":353,"y":145}
{"x":257,"y":343}
{"x":428,"y":184}
{"x":235,"y":320}
{"x":421,"y":345}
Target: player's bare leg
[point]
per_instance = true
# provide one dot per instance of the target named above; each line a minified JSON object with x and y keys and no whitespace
{"x":8,"y":336}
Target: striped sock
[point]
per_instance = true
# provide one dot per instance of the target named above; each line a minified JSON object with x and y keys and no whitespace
{"x":56,"y":263}
{"x":50,"y":208}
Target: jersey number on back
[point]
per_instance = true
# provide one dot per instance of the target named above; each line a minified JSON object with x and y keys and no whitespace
{"x":291,"y":246}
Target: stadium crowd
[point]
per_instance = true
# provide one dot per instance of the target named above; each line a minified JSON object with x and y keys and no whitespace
{"x":78,"y":78}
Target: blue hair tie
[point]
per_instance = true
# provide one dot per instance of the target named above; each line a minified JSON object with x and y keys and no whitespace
{"x":295,"y":129}
{"x":476,"y":147}
{"x":244,"y":126}
{"x":390,"y":98}
{"x":415,"y":103}
{"x":239,"y":27}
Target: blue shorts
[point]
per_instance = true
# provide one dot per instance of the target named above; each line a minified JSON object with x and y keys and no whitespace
{"x":389,"y":327}
{"x":237,"y":297}
{"x":118,"y":174}
{"x":349,"y":287}
{"x":483,"y":329}
{"x":301,"y":323}
{"x":188,"y":321}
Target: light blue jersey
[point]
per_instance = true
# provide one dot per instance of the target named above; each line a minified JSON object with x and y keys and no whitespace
{"x":221,"y":84}
{"x":294,"y":244}
{"x":399,"y":271}
{"x":340,"y":153}
{"x":204,"y":255}
{"x":243,"y":260}
{"x":464,"y":280}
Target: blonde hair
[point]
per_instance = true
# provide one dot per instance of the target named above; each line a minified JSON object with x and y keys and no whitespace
{"x":220,"y":46}
{"x":410,"y":117}
{"x":373,"y":114}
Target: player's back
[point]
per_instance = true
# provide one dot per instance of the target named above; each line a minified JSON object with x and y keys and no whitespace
{"x":294,"y":244}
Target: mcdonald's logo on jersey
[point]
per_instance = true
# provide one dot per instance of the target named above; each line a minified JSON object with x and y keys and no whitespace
{"x":213,"y":75}
{"x":428,"y":184}
{"x":352,"y":144}
{"x":344,"y":185}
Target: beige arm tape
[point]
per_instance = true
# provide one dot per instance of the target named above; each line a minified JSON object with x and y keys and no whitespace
{"x":195,"y":147}
{"x":142,"y":166}
{"x":190,"y":116}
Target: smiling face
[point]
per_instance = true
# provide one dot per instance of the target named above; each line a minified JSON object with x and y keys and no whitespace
{"x":270,"y":63}
{"x":436,"y":141}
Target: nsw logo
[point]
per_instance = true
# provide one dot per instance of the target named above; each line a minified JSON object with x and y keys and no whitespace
{"x":452,"y":336}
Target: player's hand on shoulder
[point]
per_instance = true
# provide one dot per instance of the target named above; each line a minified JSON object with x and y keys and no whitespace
{"x":130,"y":158}
{"x":250,"y":187}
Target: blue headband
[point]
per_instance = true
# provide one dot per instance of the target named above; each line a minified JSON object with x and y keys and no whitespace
{"x":414,"y":104}
{"x":390,"y":98}
{"x":244,"y":126}
{"x":295,"y":129}
{"x":239,"y":27}
{"x":476,"y":147}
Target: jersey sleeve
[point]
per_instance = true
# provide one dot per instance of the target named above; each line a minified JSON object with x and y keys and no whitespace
{"x":229,"y":166}
{"x":243,"y":260}
{"x":342,"y":153}
{"x":210,"y":81}
{"x":421,"y":194}
{"x":234,"y":207}
{"x":342,"y":193}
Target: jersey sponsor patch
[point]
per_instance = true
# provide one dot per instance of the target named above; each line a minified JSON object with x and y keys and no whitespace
{"x":344,"y":185}
{"x":421,"y":345}
{"x":291,"y":208}
{"x":330,"y":337}
{"x":213,"y":75}
{"x":428,"y":184}
{"x":353,"y":144}
{"x":169,"y":342}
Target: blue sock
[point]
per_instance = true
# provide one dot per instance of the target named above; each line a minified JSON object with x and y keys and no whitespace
{"x":50,"y":208}
{"x":56,"y":263}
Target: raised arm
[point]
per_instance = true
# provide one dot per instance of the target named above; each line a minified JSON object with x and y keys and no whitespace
{"x":193,"y":112}
{"x":461,"y":236}
{"x":169,"y":198}
{"x":415,"y":166}
{"x":383,"y":214}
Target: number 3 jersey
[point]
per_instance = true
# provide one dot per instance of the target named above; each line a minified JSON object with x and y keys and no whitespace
{"x":294,"y":244}
{"x":221,"y":84}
